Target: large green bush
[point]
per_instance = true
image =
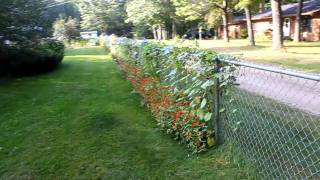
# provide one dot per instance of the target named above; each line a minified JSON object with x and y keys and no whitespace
{"x":43,"y":57}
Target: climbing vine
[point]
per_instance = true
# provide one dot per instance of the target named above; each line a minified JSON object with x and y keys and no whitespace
{"x":177,"y":85}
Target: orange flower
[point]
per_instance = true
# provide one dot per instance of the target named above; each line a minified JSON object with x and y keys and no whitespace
{"x":178,"y":114}
{"x":195,"y":123}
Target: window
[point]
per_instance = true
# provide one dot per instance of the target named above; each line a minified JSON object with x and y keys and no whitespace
{"x":307,"y":23}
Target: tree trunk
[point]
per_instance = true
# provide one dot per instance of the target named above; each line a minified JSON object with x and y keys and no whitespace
{"x":249,"y":27}
{"x":200,"y":33}
{"x":297,"y":26}
{"x":225,"y":20}
{"x":154,"y":31}
{"x":216,"y":32}
{"x":277,"y":35}
{"x":225,"y":27}
{"x":164,"y":33}
{"x":261,"y":6}
{"x":159,"y":33}
{"x":174,"y":30}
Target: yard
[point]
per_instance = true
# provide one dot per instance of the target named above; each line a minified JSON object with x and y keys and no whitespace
{"x":301,"y":56}
{"x":82,"y":121}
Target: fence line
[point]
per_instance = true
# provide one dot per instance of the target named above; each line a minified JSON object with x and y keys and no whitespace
{"x":275,"y":70}
{"x":275,"y":120}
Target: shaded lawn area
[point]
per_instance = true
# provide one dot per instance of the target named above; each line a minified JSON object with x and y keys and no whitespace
{"x":82,"y":122}
{"x":301,"y":56}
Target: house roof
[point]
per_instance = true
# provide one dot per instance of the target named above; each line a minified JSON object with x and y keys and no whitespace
{"x":288,"y":10}
{"x":309,"y":7}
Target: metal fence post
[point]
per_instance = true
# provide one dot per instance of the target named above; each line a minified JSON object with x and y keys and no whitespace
{"x":216,"y":110}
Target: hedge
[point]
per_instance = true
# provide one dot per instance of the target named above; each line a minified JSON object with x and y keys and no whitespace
{"x":43,"y":57}
{"x":177,"y":85}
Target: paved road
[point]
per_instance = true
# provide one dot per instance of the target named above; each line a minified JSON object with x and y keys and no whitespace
{"x":296,"y":92}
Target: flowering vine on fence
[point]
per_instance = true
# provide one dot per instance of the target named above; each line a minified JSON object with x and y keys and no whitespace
{"x":177,"y":86}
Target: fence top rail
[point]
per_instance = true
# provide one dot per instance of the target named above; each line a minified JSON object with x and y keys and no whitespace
{"x":275,"y":70}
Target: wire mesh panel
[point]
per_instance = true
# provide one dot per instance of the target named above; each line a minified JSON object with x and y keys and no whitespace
{"x":275,"y":119}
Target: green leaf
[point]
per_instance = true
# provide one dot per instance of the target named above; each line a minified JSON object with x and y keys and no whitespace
{"x":207,"y":84}
{"x":193,"y":104}
{"x":207,"y":117}
{"x":203,"y":103}
{"x":222,"y":110}
{"x":200,"y":113}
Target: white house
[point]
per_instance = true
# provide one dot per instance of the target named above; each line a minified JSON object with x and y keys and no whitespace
{"x":89,"y":35}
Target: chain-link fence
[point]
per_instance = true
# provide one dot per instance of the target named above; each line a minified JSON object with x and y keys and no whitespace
{"x":274,"y":118}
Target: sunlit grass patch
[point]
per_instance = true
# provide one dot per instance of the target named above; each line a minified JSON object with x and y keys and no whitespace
{"x":301,"y":56}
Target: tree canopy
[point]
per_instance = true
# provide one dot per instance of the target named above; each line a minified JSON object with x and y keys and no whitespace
{"x":104,"y":15}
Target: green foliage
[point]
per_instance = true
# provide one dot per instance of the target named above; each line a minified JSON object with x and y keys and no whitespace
{"x":76,"y":43}
{"x":41,"y":58}
{"x":243,"y":33}
{"x":242,"y":4}
{"x":189,"y":77}
{"x":191,"y":10}
{"x":24,"y":21}
{"x":151,"y":13}
{"x":63,"y":9}
{"x":66,"y":29}
{"x":207,"y":13}
{"x":142,"y":32}
{"x":144,"y":12}
{"x":104,"y":15}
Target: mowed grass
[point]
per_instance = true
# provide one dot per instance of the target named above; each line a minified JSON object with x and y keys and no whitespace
{"x":82,"y":122}
{"x":301,"y":56}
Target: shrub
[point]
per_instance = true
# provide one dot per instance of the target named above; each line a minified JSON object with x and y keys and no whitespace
{"x":264,"y":35}
{"x":243,"y":33}
{"x":43,"y":57}
{"x":177,"y":86}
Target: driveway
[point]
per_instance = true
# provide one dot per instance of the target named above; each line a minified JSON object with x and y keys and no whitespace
{"x":296,"y":92}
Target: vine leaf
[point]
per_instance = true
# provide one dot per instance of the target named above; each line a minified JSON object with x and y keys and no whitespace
{"x":207,"y":84}
{"x":207,"y":117}
{"x":203,"y":103}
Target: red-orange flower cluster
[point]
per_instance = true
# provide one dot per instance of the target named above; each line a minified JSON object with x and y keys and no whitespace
{"x":173,"y":115}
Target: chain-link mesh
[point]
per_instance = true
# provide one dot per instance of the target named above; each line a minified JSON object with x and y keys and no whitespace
{"x":275,"y":119}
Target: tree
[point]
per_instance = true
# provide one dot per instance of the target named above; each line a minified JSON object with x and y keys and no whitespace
{"x":159,"y":15}
{"x":22,"y":21}
{"x":66,"y":9}
{"x":104,"y":15}
{"x":261,"y":6}
{"x":66,"y":29}
{"x":144,"y":13}
{"x":277,"y":23}
{"x":297,"y":27}
{"x":247,"y":6}
{"x":225,"y":7}
{"x":194,"y":12}
{"x":249,"y":26}
{"x":200,"y":9}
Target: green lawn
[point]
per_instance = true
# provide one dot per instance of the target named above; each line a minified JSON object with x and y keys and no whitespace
{"x":82,"y":122}
{"x":301,"y":56}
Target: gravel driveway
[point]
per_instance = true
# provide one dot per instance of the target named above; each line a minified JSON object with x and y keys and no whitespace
{"x":296,"y":92}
